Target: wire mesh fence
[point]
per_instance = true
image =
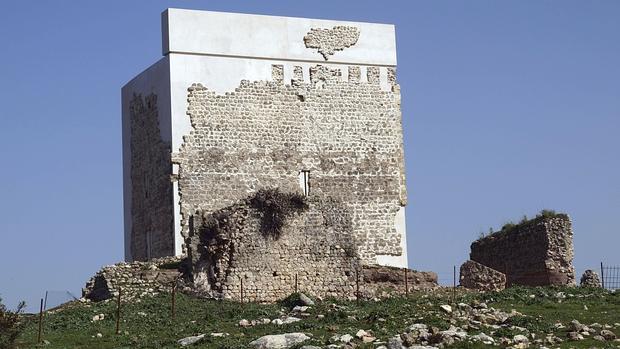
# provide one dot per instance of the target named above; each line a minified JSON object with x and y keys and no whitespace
{"x":54,"y":299}
{"x":610,"y":276}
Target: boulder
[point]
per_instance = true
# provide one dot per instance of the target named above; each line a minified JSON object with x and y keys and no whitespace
{"x":279,"y":341}
{"x":190,"y":340}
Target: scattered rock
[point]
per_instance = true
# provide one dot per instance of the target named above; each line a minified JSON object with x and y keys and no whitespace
{"x":574,"y":336}
{"x":305,"y":300}
{"x":608,"y":335}
{"x":290,"y":320}
{"x":446,"y":308}
{"x":346,"y":338}
{"x":245,"y":323}
{"x":520,"y":339}
{"x":279,"y":341}
{"x":190,"y":340}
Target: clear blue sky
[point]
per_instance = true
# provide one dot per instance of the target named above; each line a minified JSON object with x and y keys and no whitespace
{"x":508,"y":106}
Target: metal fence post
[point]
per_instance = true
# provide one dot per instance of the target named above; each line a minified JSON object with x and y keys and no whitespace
{"x":357,"y":285}
{"x":174,"y":293}
{"x":241,"y":289}
{"x":602,"y":276}
{"x":40,"y":322}
{"x":454,"y":285}
{"x":118,"y":312}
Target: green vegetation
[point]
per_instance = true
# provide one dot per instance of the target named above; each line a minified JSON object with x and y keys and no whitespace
{"x":10,"y":325}
{"x":275,"y":207}
{"x":511,"y":226}
{"x":148,"y":323}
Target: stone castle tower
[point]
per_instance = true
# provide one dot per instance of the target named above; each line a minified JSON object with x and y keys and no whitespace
{"x":240,"y":103}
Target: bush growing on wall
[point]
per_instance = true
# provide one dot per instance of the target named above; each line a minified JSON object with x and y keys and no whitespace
{"x":275,"y":207}
{"x":10,"y":325}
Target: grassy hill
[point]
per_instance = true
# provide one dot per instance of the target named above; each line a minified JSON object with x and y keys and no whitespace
{"x":148,"y":323}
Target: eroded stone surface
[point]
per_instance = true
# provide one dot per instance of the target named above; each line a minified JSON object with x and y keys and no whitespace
{"x":590,"y":279}
{"x":133,"y":280}
{"x":534,"y":253}
{"x":479,"y":277}
{"x":347,"y":135}
{"x":328,"y":41}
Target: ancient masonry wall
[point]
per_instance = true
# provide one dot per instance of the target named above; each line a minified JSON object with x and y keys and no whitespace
{"x":347,"y":134}
{"x":232,"y":256}
{"x":152,"y":225}
{"x":536,"y":252}
{"x":228,"y":248}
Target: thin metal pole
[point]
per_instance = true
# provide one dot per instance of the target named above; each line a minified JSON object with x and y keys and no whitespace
{"x":174,"y":293}
{"x":118,"y":312}
{"x":242,"y":290}
{"x":602,"y":276}
{"x":357,"y":285}
{"x":454,"y":284}
{"x":406,"y":282}
{"x":296,"y":286}
{"x":45,"y":302}
{"x":40,"y":322}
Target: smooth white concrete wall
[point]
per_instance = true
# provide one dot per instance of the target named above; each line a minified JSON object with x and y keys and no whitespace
{"x":155,"y":79}
{"x":401,"y":261}
{"x":269,"y":37}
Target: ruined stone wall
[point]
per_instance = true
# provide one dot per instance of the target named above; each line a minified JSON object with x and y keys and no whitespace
{"x":134,"y":280}
{"x":228,"y":247}
{"x":536,"y":252}
{"x":152,"y":229}
{"x":345,"y":132}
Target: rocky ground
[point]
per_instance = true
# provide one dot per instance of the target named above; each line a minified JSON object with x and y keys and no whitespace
{"x":514,"y":318}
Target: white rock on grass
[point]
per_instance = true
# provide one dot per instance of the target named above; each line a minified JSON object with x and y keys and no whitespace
{"x":520,"y":339}
{"x":279,"y":341}
{"x":305,"y":300}
{"x":190,"y":340}
{"x":290,"y":320}
{"x":446,"y":308}
{"x":346,"y":338}
{"x":361,"y":334}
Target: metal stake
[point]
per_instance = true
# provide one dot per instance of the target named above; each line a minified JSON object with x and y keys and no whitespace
{"x":118,"y":312}
{"x":357,"y":285}
{"x":602,"y":276}
{"x":174,"y":293}
{"x":40,"y":322}
{"x":242,"y":290}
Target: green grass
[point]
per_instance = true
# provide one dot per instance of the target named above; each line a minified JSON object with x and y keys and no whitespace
{"x":72,"y":326}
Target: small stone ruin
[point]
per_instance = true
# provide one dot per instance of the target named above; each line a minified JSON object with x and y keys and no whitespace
{"x":590,"y":279}
{"x":536,"y":252}
{"x":479,"y":277}
{"x":134,"y":280}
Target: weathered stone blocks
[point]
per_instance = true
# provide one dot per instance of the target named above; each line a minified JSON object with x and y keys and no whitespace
{"x":590,"y":279}
{"x":328,"y":41}
{"x":533,"y":253}
{"x":347,"y":136}
{"x":479,"y":277}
